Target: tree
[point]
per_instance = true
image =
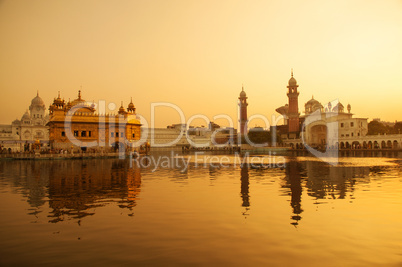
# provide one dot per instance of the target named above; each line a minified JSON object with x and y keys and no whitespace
{"x":376,"y":127}
{"x":398,"y":127}
{"x":261,"y":137}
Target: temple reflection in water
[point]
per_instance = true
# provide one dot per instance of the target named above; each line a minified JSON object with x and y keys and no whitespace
{"x":56,"y":211}
{"x":86,"y":185}
{"x":74,"y":188}
{"x":294,"y":183}
{"x":321,"y":182}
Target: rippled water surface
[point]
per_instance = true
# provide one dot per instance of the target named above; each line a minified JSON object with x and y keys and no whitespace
{"x":113,"y":212}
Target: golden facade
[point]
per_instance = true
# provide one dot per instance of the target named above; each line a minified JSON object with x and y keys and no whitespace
{"x":76,"y":125}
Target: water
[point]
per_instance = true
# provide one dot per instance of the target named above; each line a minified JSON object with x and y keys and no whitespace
{"x":113,"y":212}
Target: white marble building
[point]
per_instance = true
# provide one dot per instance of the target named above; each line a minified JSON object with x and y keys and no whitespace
{"x":30,"y":128}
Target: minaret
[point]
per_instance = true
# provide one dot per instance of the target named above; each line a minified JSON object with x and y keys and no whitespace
{"x":243,"y":112}
{"x":293,"y":113}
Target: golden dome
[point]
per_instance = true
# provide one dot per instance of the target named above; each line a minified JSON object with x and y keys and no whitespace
{"x":79,"y":100}
{"x":131,"y":106}
{"x":121,"y":109}
{"x":69,"y":105}
{"x":133,"y":120}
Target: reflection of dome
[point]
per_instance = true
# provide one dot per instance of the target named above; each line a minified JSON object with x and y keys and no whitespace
{"x":37,"y":101}
{"x":26,"y":116}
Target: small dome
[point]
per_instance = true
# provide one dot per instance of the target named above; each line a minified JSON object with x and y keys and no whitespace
{"x":242,"y":93}
{"x":58,"y":102}
{"x":79,"y":100}
{"x":312,"y":102}
{"x":121,"y":109}
{"x":37,"y":100}
{"x":338,"y":108}
{"x":26,"y":116}
{"x":292,"y":81}
{"x":312,"y":105}
{"x":69,"y":105}
{"x":131,"y":105}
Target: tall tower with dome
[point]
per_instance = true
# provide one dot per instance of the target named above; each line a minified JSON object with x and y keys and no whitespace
{"x":293,"y":112}
{"x":243,"y":112}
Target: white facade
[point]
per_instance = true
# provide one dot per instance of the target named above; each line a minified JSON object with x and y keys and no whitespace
{"x":30,"y":128}
{"x":323,"y":126}
{"x":178,"y":136}
{"x":165,"y":138}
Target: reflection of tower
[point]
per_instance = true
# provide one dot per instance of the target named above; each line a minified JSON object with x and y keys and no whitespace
{"x":244,"y":189}
{"x":243,"y":112}
{"x":133,"y":186}
{"x":293,"y":113}
{"x":294,"y":183}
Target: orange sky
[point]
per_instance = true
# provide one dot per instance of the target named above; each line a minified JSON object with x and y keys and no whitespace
{"x":197,"y":54}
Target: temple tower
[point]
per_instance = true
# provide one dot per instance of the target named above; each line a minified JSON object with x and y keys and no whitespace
{"x":243,"y":112}
{"x":293,"y":113}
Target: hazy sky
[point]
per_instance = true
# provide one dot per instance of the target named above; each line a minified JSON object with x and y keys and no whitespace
{"x":197,"y":54}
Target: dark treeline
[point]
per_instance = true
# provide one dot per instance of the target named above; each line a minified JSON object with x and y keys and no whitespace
{"x":376,"y":127}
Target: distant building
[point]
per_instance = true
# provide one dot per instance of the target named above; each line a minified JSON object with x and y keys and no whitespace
{"x":257,"y":129}
{"x":171,"y":137}
{"x":21,"y":134}
{"x":321,"y":126}
{"x":178,"y":136}
{"x":75,"y":125}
